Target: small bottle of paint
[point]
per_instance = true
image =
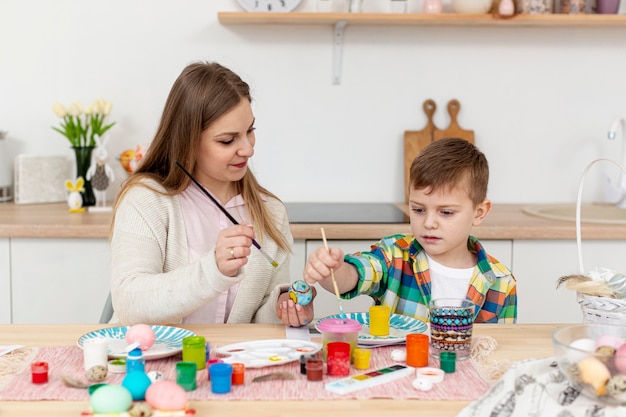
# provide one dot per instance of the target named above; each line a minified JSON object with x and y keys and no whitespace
{"x":379,"y":317}
{"x":186,"y":375}
{"x":39,"y":372}
{"x":135,"y":361}
{"x":314,"y":369}
{"x":239,"y":372}
{"x":338,"y":359}
{"x":208,"y":367}
{"x":221,"y":377}
{"x":362,"y":358}
{"x":417,"y":350}
{"x":194,"y":350}
{"x":447,"y":361}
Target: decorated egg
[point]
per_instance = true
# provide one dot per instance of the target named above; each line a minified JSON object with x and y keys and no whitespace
{"x":142,"y":334}
{"x":301,"y":293}
{"x":137,"y":382}
{"x":110,"y":399}
{"x":593,"y":372}
{"x":97,"y":373}
{"x":166,"y":396}
{"x":620,"y":359}
{"x":609,"y":340}
{"x":584,"y":349}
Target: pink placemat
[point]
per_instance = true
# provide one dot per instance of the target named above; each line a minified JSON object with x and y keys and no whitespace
{"x":465,"y":384}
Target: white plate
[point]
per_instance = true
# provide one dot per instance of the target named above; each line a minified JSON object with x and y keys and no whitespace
{"x":399,"y":327}
{"x":169,"y":341}
{"x":261,"y":353}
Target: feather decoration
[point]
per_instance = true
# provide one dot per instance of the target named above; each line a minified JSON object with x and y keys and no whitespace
{"x":588,"y":286}
{"x":275,"y":376}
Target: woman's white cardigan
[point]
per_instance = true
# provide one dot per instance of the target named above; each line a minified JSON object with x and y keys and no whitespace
{"x":153,"y":282}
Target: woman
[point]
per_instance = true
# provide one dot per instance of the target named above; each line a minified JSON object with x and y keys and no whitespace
{"x":176,"y":257}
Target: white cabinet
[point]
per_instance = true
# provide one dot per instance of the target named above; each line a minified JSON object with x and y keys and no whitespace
{"x":5,"y":282}
{"x":538,"y":264}
{"x":59,"y":280}
{"x":326,"y":302}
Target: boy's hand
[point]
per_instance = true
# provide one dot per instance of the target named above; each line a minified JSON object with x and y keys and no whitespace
{"x":320,"y":263}
{"x":293,"y":314}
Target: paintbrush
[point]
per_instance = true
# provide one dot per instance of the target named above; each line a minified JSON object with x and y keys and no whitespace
{"x":231,"y":218}
{"x":332,"y":276}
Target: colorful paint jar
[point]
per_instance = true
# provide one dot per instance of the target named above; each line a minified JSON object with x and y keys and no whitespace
{"x":239,"y":371}
{"x":417,"y":350}
{"x":362,"y":358}
{"x":379,"y":317}
{"x":338,"y":360}
{"x":39,"y":371}
{"x":221,"y":377}
{"x":314,"y":370}
{"x":339,"y":330}
{"x":186,"y":375}
{"x":209,"y":363}
{"x":194,"y":350}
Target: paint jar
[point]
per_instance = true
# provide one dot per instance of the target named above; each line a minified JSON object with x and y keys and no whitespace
{"x":135,"y":361}
{"x":39,"y":371}
{"x":95,"y":353}
{"x":303,"y":360}
{"x":447,"y":362}
{"x":338,"y":361}
{"x":451,"y":323}
{"x":362,"y":358}
{"x":417,"y":350}
{"x":239,"y":372}
{"x":379,"y":320}
{"x":221,"y":377}
{"x":314,"y":370}
{"x":194,"y":350}
{"x":339,"y":330}
{"x":209,"y":363}
{"x":186,"y":375}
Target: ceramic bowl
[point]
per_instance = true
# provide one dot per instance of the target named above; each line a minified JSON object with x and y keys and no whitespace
{"x":593,"y":358}
{"x":472,"y":6}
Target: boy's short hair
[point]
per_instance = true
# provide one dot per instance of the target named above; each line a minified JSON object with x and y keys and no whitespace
{"x":446,"y":163}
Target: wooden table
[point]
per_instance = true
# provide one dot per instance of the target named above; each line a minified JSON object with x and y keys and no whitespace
{"x":515,"y":342}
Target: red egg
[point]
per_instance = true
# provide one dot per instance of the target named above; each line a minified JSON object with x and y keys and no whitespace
{"x":166,"y":396}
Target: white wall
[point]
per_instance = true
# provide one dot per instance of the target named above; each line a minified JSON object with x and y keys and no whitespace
{"x":540,"y":100}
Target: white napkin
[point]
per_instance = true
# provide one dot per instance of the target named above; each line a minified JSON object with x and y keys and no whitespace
{"x":8,"y":349}
{"x":537,"y":388}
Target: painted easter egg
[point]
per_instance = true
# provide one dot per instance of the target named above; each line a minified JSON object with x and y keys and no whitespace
{"x":166,"y":396}
{"x":609,"y":340}
{"x":620,"y":359}
{"x":110,"y":399}
{"x":142,"y":334}
{"x":593,"y":372}
{"x":301,"y":293}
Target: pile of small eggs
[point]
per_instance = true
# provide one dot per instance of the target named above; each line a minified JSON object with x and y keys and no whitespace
{"x":600,"y":364}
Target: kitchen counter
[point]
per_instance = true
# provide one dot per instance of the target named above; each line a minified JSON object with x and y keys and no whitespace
{"x":506,"y":221}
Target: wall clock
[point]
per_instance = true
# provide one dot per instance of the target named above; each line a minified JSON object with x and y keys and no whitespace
{"x":269,"y":5}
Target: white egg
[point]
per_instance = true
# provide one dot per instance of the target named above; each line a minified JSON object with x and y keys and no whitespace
{"x":585,"y":348}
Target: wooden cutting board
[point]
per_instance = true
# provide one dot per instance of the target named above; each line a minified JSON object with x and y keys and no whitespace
{"x":454,"y":130}
{"x":416,"y":140}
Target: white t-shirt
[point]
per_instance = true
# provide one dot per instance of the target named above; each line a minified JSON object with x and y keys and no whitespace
{"x":448,"y":282}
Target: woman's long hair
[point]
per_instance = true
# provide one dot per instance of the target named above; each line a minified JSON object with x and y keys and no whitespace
{"x":200,"y":95}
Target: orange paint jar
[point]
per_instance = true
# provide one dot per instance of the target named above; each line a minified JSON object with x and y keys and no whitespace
{"x":417,"y":350}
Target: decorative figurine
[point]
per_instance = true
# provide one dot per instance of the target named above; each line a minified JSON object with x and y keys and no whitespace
{"x":100,"y":173}
{"x":129,"y":159}
{"x":74,"y":199}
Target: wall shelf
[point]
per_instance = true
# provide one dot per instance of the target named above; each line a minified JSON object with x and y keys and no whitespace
{"x":411,"y":19}
{"x":341,"y":20}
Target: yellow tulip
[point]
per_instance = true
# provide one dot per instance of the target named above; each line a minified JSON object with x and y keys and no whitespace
{"x":76,"y":108}
{"x":106,"y":108}
{"x":59,"y":110}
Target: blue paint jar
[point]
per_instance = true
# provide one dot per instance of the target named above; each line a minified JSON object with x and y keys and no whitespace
{"x":221,"y":377}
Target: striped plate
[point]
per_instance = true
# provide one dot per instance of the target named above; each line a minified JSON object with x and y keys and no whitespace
{"x":169,"y":341}
{"x":399,"y":327}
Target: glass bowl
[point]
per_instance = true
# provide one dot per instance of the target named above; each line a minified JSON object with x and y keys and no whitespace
{"x":593,"y":358}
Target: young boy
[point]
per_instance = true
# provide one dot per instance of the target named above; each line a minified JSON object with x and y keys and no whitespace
{"x":447,"y":196}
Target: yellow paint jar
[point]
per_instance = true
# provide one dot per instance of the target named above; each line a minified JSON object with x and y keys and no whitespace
{"x":379,"y":320}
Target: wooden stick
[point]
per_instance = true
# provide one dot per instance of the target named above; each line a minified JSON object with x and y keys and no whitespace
{"x":332,"y":276}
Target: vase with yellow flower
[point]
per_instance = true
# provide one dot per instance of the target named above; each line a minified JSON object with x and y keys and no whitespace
{"x":81,"y":126}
